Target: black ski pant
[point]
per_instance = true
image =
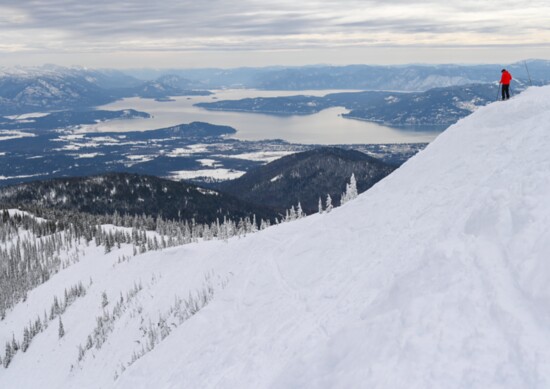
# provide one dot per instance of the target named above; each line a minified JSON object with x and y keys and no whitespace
{"x":505,"y":91}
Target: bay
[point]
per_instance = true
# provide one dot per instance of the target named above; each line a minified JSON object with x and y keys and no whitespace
{"x":326,"y":127}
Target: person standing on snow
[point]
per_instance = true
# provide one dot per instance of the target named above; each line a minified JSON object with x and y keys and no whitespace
{"x":505,"y":82}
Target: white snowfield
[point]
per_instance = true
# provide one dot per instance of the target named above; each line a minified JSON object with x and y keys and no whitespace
{"x":438,"y":277}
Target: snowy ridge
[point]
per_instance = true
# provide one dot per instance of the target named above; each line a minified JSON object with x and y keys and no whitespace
{"x":37,"y":71}
{"x":435,"y":278}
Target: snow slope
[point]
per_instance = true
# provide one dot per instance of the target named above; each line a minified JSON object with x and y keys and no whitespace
{"x":435,"y":278}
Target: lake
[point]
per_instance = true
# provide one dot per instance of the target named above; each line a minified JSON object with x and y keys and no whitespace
{"x":326,"y":127}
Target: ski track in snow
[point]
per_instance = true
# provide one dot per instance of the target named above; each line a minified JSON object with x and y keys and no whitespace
{"x":435,"y":278}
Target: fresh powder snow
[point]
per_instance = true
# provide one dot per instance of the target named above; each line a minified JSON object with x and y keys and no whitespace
{"x":437,"y":277}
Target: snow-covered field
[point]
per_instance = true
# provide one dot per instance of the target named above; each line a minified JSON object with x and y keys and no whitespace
{"x":435,"y":278}
{"x":2,"y":177}
{"x":26,"y":116}
{"x":86,"y":155}
{"x":216,"y":174}
{"x":14,"y":134}
{"x":263,"y":156}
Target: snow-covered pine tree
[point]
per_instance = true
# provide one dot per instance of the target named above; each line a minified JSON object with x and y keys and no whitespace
{"x":61,"y":330}
{"x":37,"y":327}
{"x":8,"y":355}
{"x":56,"y":307}
{"x":107,"y":246}
{"x":254,"y":227}
{"x":293,"y":213}
{"x":320,"y":206}
{"x":351,"y":191}
{"x":104,"y":300}
{"x":328,"y":204}
{"x":14,"y":344}
{"x":299,"y":213}
{"x":353,"y":186}
{"x":26,"y":340}
{"x":65,"y":299}
{"x":81,"y":353}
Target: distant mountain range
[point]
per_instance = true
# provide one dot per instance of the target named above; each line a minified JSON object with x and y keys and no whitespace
{"x":51,"y":88}
{"x":48,"y":88}
{"x":164,"y":87}
{"x":396,"y":78}
{"x":358,"y":77}
{"x":305,"y":177}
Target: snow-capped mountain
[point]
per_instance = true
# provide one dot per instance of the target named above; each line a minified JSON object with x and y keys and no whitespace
{"x":402,"y":78}
{"x":47,"y":93}
{"x":46,"y":88}
{"x":104,"y":78}
{"x":410,"y":77}
{"x":49,"y":87}
{"x":437,"y":277}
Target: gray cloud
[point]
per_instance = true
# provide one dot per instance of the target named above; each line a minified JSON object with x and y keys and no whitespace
{"x":107,"y":26}
{"x":135,"y":18}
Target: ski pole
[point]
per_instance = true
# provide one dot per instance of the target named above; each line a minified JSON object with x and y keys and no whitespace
{"x":498,"y":91}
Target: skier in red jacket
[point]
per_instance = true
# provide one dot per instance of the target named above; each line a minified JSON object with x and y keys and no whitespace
{"x":505,"y":82}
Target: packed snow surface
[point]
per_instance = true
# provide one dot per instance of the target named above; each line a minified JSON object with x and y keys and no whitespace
{"x":435,"y":278}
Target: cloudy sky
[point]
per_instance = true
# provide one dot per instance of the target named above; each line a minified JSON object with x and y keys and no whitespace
{"x":227,"y":33}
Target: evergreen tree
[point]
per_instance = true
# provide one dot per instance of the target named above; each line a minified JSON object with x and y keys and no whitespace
{"x":328,"y":204}
{"x":353,"y":187}
{"x":351,"y":191}
{"x":56,"y":307}
{"x":61,"y":330}
{"x":107,"y":246}
{"x":14,"y":344}
{"x":299,"y":212}
{"x":89,"y":342}
{"x":8,"y":355}
{"x":81,"y":353}
{"x":26,"y":340}
{"x":37,"y":326}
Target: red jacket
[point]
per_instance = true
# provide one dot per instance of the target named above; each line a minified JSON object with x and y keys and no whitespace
{"x":506,"y":78}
